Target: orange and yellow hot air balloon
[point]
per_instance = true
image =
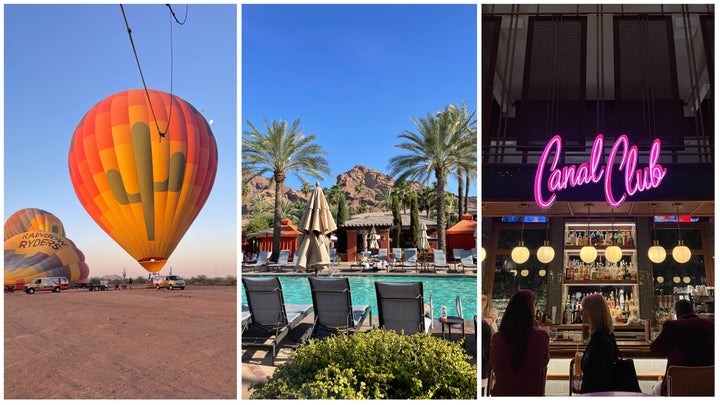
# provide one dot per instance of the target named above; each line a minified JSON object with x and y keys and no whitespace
{"x":143,"y":168}
{"x":32,"y":219}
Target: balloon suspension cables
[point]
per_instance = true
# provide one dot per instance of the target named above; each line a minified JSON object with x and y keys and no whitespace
{"x":142,"y":77}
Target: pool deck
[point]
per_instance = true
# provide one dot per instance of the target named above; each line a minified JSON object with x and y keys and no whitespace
{"x":256,"y":364}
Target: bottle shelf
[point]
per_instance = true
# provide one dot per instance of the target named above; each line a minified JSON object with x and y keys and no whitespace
{"x":595,"y":283}
{"x":599,"y":248}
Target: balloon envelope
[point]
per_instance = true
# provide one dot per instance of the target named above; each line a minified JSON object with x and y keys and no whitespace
{"x":141,"y":188}
{"x":42,"y":254}
{"x":32,"y":219}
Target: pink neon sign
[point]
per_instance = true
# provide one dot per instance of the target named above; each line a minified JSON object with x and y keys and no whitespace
{"x":592,"y":171}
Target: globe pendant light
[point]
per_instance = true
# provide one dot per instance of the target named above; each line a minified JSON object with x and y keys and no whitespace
{"x":680,"y":253}
{"x":656,"y":253}
{"x":482,"y":254}
{"x":588,"y":253}
{"x":546,"y":253}
{"x":613,"y":253}
{"x":520,"y":254}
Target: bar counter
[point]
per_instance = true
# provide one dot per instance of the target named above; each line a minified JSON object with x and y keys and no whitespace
{"x":633,"y":341}
{"x":629,"y":349}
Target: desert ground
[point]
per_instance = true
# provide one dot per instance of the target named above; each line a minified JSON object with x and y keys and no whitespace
{"x":122,"y":344}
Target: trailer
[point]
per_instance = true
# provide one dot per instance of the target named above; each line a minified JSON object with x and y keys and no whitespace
{"x":101,"y":286}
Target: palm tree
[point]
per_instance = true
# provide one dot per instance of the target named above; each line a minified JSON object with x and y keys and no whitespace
{"x":306,"y":188}
{"x":359,"y":188}
{"x":439,"y":146}
{"x":467,"y":169}
{"x":383,"y":199}
{"x":282,"y":150}
{"x":402,"y":189}
{"x":426,"y":195}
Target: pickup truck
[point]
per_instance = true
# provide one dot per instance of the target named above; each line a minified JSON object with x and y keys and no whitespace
{"x":170,"y":282}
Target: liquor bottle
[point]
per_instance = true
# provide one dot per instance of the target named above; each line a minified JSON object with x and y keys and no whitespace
{"x":622,"y":299}
{"x":618,"y":238}
{"x":631,"y":241}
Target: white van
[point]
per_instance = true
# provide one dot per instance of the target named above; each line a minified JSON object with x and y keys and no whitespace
{"x":54,"y":284}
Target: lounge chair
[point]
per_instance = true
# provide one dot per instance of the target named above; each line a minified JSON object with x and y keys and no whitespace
{"x":396,"y":257}
{"x":332,"y":304}
{"x":467,"y":262}
{"x":457,"y":254}
{"x":383,"y":257}
{"x":440,"y":261}
{"x":259,"y":264}
{"x":245,"y":317}
{"x":271,"y":320}
{"x":409,"y":259}
{"x":401,"y":307}
{"x":292,"y":266}
{"x":283,"y":260}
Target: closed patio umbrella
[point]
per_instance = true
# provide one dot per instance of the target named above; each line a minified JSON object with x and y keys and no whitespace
{"x":373,"y":239}
{"x":422,"y":242}
{"x":422,"y":238}
{"x":316,"y":224}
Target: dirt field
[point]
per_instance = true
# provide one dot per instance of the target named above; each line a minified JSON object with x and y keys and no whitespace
{"x":122,"y":344}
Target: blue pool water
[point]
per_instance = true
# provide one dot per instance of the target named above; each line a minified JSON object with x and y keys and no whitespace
{"x":296,"y":290}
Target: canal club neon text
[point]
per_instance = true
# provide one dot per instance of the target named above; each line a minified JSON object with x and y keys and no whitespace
{"x":593,"y":172}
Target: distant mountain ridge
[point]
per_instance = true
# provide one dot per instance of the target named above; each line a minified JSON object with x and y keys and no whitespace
{"x":373,"y":182}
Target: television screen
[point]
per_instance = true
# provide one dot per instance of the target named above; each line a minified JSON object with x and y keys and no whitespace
{"x":673,"y":218}
{"x":528,"y":218}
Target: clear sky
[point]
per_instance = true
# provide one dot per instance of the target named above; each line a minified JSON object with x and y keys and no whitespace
{"x":355,"y":74}
{"x":60,"y":60}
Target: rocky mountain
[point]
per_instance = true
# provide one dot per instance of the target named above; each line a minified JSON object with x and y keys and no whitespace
{"x":373,"y":182}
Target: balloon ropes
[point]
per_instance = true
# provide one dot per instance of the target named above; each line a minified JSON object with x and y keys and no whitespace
{"x":161,"y":134}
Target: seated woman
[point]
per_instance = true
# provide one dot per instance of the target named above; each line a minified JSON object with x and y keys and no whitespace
{"x":601,"y":351}
{"x":519,"y":351}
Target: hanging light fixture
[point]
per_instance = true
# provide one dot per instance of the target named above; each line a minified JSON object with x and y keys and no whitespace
{"x":482,"y":254}
{"x":546,"y":253}
{"x":613,"y":253}
{"x":680,"y":253}
{"x":656,"y":253}
{"x":588,"y":253}
{"x":520,"y":254}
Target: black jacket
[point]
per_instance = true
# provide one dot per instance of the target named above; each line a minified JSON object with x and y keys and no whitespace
{"x":597,"y":362}
{"x":486,"y":336}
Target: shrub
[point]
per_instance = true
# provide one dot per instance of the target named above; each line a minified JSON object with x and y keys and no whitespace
{"x":374,"y":365}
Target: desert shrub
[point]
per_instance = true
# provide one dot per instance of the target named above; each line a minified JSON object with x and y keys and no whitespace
{"x":373,"y":365}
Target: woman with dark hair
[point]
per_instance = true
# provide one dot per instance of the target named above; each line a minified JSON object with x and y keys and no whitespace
{"x":601,"y":351}
{"x":519,"y":352}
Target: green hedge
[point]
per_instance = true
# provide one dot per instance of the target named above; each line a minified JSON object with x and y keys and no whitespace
{"x":373,"y":365}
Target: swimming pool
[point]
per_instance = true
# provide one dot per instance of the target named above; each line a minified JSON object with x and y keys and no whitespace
{"x":296,"y":290}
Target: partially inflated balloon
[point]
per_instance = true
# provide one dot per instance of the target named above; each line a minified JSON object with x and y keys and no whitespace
{"x":42,"y":254}
{"x":32,"y":219}
{"x":143,"y":188}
